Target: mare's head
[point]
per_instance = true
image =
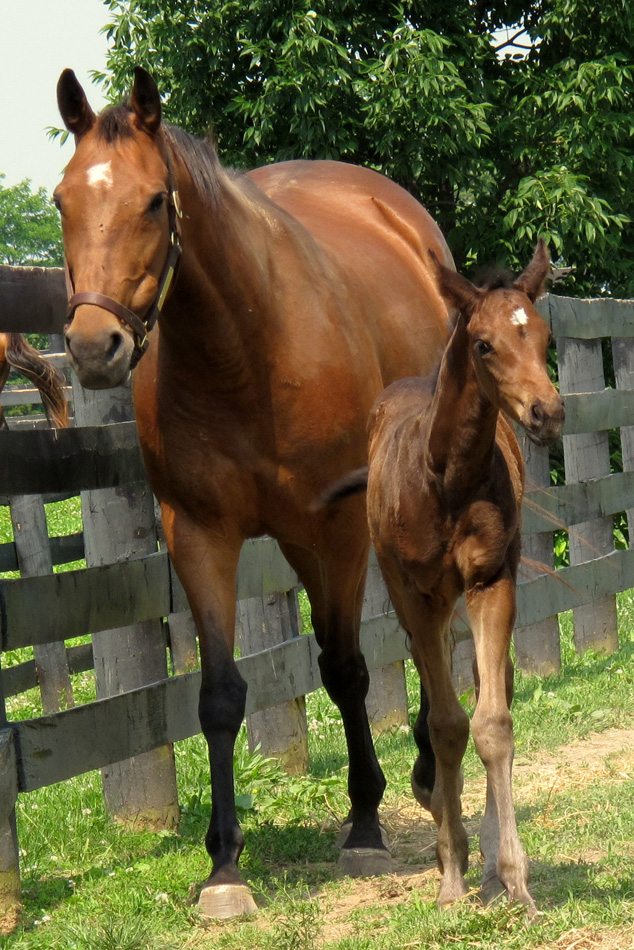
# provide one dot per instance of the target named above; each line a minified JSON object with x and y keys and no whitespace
{"x":117,"y":204}
{"x":509,"y":342}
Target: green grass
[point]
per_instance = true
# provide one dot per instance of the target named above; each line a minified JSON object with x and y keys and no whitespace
{"x":89,"y":883}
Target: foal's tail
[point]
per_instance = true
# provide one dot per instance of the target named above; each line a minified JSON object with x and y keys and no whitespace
{"x":25,"y":359}
{"x":351,"y":484}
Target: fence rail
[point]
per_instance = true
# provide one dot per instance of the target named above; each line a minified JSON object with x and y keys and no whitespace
{"x":46,"y":609}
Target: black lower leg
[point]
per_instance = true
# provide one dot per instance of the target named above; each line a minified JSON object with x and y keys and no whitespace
{"x":221,"y":710}
{"x":424,"y":771}
{"x":347,"y":685}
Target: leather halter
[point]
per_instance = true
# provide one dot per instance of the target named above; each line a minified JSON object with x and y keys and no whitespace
{"x":140,"y":327}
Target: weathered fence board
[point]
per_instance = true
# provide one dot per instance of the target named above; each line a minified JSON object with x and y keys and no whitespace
{"x":34,"y":559}
{"x":546,"y":509}
{"x":32,"y":299}
{"x":587,"y":455}
{"x":8,"y":774}
{"x":574,"y":586}
{"x":54,"y":748}
{"x":97,"y":598}
{"x":39,"y":461}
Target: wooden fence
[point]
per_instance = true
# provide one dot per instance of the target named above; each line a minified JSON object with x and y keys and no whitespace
{"x":129,"y":600}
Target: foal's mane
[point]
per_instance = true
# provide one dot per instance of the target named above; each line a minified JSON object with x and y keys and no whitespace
{"x":199,"y":155}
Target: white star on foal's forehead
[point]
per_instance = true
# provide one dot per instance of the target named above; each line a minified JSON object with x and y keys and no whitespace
{"x":99,"y":174}
{"x":519,"y":317}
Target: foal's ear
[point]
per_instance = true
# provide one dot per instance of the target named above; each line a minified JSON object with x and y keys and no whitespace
{"x":455,"y":288}
{"x":532,"y":281}
{"x":145,"y":101}
{"x":73,"y":106}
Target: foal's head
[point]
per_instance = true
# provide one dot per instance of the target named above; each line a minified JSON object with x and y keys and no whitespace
{"x":115,"y":202}
{"x":508,"y":344}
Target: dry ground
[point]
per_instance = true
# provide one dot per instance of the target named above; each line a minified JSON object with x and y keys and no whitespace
{"x":606,"y":757}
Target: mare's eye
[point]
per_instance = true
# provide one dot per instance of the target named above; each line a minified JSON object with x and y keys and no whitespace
{"x":157,"y":203}
{"x":482,"y":347}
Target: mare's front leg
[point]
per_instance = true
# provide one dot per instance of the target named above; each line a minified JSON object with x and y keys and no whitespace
{"x":206,"y":562}
{"x":491,"y":610}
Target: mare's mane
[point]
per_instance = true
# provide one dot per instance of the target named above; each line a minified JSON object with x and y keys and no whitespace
{"x":199,"y":155}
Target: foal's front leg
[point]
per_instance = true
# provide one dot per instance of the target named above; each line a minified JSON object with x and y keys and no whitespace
{"x":206,"y":562}
{"x":491,"y":610}
{"x":448,"y":730}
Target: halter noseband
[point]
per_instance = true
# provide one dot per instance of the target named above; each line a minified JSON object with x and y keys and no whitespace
{"x":140,"y":328}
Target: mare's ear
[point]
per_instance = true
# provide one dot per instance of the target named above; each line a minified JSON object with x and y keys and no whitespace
{"x":455,"y":288}
{"x":73,"y":106}
{"x":145,"y":101}
{"x":532,"y":281}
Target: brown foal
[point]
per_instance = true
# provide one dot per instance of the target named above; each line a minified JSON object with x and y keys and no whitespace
{"x":444,"y":493}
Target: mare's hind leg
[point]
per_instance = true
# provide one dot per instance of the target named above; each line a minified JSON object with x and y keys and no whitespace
{"x":424,"y":771}
{"x":491,"y":612}
{"x":335,"y":590}
{"x":206,"y":562}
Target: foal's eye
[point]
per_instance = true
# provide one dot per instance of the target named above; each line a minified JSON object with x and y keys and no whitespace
{"x":57,"y":203}
{"x":157,"y":203}
{"x":482,"y":347}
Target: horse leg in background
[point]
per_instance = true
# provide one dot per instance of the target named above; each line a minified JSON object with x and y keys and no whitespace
{"x":335,"y":591}
{"x":206,"y":562}
{"x":491,"y":611}
{"x":424,"y":771}
{"x":448,"y":731}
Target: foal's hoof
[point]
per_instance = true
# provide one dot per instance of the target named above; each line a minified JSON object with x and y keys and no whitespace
{"x":223,"y":901}
{"x":364,"y":862}
{"x":345,"y":829}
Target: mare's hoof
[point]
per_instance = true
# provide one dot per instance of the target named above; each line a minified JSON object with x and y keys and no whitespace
{"x":491,"y":889}
{"x":364,"y":862}
{"x":223,"y":901}
{"x":345,"y":829}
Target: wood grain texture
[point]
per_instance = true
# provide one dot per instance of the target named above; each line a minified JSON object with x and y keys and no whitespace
{"x":32,"y":299}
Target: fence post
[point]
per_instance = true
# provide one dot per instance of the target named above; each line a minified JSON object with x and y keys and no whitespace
{"x":280,"y":731}
{"x":537,"y":646}
{"x":386,"y":702}
{"x":119,"y":524}
{"x":587,"y":456}
{"x":623,"y":355}
{"x":34,"y":558}
{"x":10,"y":891}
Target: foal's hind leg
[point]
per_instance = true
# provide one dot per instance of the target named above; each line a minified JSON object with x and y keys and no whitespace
{"x":491,"y":612}
{"x":335,"y":589}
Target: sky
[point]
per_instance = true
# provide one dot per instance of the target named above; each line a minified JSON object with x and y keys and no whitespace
{"x":38,"y":39}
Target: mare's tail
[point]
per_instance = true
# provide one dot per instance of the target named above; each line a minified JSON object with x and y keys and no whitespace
{"x":50,"y":382}
{"x":351,"y":484}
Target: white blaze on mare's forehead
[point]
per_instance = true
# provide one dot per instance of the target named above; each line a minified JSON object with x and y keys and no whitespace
{"x":519,"y":317}
{"x":99,"y":174}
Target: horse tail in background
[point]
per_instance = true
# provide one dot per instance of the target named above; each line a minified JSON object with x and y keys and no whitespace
{"x":353,"y":483}
{"x":25,"y":359}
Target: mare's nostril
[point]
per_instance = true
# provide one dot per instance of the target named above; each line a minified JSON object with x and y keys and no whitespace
{"x":537,"y":413}
{"x":116,"y":342}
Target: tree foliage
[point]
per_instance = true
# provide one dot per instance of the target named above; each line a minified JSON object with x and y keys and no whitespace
{"x":501,"y":140}
{"x":30,"y":231}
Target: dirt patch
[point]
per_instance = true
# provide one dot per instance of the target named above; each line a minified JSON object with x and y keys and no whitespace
{"x":607,"y":757}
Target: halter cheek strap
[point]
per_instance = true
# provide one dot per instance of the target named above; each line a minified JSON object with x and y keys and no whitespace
{"x":140,"y":327}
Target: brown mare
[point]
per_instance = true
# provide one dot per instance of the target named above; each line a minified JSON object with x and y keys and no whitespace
{"x":301,"y":293}
{"x":444,"y":493}
{"x":18,"y":354}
